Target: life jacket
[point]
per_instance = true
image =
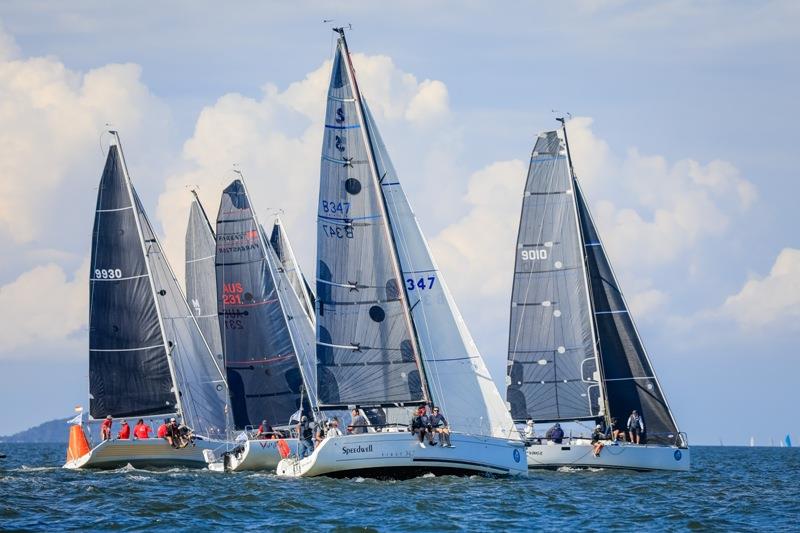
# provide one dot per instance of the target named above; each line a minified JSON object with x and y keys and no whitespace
{"x":162,"y":431}
{"x":124,"y":432}
{"x":142,"y":431}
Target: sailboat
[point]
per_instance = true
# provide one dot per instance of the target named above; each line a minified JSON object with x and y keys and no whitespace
{"x":147,"y":356}
{"x":787,"y":441}
{"x":283,"y":249}
{"x":389,"y":336}
{"x":574,"y":353}
{"x":752,"y":442}
{"x":267,"y":334}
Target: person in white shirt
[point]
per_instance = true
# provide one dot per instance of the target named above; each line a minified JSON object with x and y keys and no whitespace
{"x":529,"y":433}
{"x":333,"y":430}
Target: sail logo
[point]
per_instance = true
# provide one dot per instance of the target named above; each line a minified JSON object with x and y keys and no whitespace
{"x":356,"y":449}
{"x":517,"y":456}
{"x":340,"y":115}
{"x":539,"y":254}
{"x":678,"y":455}
{"x":196,"y":305}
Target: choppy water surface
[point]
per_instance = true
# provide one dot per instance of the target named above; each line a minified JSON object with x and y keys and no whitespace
{"x":728,"y":488}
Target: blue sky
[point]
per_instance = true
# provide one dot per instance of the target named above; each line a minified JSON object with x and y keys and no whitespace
{"x":683,"y":138}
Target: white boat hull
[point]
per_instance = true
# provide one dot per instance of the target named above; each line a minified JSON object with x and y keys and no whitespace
{"x":145,"y":453}
{"x":579,"y":454}
{"x":253,"y":455}
{"x":398,"y":454}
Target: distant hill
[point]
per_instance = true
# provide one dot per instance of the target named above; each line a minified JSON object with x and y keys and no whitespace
{"x":52,"y":431}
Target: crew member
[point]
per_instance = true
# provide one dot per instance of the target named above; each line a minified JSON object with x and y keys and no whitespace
{"x":635,"y":427}
{"x":305,"y":434}
{"x":597,"y":440}
{"x":124,"y":431}
{"x":358,"y":424}
{"x":555,"y":434}
{"x":421,"y":426}
{"x":265,"y":431}
{"x":162,"y":429}
{"x":141,"y":430}
{"x":105,"y":428}
{"x":441,"y":428}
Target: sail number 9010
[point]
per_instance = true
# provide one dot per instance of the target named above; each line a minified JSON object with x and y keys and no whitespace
{"x":534,"y":255}
{"x":107,"y":273}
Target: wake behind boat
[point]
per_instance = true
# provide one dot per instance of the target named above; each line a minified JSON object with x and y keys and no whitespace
{"x":147,"y":356}
{"x":574,"y":352}
{"x":389,"y":336}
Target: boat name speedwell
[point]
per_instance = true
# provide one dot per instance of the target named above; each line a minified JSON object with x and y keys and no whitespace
{"x":357,"y":449}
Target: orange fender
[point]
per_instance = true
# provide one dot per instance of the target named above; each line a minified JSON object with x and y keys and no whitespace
{"x":284,"y":449}
{"x":78,"y":444}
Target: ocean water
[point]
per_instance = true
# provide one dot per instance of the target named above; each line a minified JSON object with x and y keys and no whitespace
{"x":732,"y":489}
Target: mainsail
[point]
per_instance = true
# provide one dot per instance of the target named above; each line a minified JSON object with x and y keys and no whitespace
{"x":628,"y":375}
{"x":196,"y":382}
{"x":552,"y":372}
{"x":367,"y":351}
{"x":459,"y":381}
{"x":264,"y":377}
{"x":201,"y":276}
{"x":283,"y":249}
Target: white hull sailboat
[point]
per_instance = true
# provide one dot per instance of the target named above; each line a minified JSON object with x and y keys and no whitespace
{"x":574,"y":352}
{"x":252,"y":454}
{"x":147,"y":355}
{"x":389,"y":336}
{"x":146,"y":453}
{"x":397,"y":454}
{"x":580,"y":453}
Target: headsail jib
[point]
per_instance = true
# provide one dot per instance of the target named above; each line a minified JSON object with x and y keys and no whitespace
{"x":367,"y":350}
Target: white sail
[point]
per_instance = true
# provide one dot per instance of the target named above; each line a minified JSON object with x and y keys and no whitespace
{"x":458,"y":379}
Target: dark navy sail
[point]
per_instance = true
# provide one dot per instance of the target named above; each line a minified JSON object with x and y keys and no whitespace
{"x":201,"y":276}
{"x":263,"y":374}
{"x":367,"y":351}
{"x":552,"y":366}
{"x":129,"y":374}
{"x":627,"y":373}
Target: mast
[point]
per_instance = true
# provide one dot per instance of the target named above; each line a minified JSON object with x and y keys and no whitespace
{"x":584,"y":264}
{"x":168,"y":349}
{"x":202,"y":210}
{"x":389,"y":233}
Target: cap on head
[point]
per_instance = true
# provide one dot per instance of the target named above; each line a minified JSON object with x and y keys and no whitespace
{"x":108,"y":417}
{"x":303,"y":418}
{"x":172,"y":420}
{"x":635,"y":412}
{"x":264,"y":422}
{"x":598,"y":427}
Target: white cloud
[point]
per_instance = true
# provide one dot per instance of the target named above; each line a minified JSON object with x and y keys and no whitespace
{"x":52,"y":118}
{"x":43,"y":307}
{"x":276,"y":140}
{"x":769,"y":301}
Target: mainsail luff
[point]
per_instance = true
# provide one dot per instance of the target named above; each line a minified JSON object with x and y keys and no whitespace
{"x":285,"y":253}
{"x":367,"y":350}
{"x":552,"y":356}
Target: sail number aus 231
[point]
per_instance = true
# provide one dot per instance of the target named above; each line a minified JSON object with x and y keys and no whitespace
{"x":412,"y":284}
{"x":534,"y":255}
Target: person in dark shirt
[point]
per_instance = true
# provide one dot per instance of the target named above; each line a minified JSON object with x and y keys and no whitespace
{"x":173,"y":435}
{"x":358,"y":424}
{"x":265,"y":431}
{"x":635,"y":427}
{"x":555,"y":434}
{"x":441,"y":428}
{"x":421,"y":426}
{"x":597,"y":440}
{"x":305,"y":436}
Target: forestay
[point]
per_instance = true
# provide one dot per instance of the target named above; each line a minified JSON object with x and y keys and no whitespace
{"x":129,"y":374}
{"x":201,"y":276}
{"x":552,"y":372}
{"x":263,"y":374}
{"x":628,"y":376}
{"x":366,"y":347}
{"x":458,"y":379}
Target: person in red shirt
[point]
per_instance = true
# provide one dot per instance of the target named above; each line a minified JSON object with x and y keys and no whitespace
{"x":141,"y":430}
{"x":162,"y":430}
{"x":124,"y":431}
{"x":105,"y":428}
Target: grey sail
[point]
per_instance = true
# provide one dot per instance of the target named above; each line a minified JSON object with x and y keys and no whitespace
{"x":283,"y":250}
{"x":552,"y":365}
{"x":366,"y":347}
{"x":129,"y":374}
{"x":264,"y":378}
{"x":628,"y":376}
{"x":198,"y":373}
{"x":201,"y":276}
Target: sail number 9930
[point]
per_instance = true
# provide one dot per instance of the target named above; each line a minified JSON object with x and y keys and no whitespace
{"x":107,"y":273}
{"x":534,"y":255}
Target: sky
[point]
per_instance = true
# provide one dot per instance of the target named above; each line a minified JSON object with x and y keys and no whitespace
{"x":683,"y":138}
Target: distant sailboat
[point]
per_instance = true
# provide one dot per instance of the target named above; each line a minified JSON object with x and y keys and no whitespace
{"x":574,"y":352}
{"x":752,"y":442}
{"x":389,"y":337}
{"x":787,"y":441}
{"x":147,"y":356}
